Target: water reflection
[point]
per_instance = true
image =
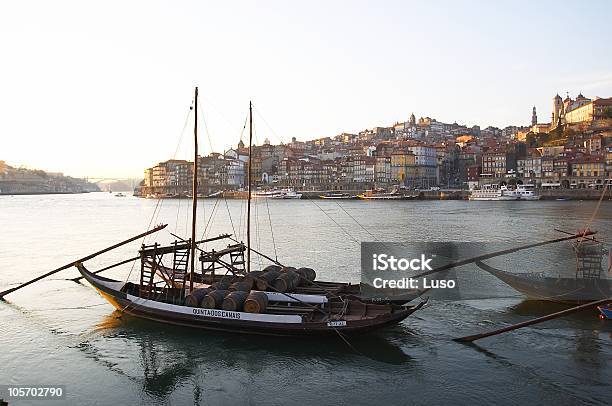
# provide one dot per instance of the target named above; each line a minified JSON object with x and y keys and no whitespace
{"x":170,"y":357}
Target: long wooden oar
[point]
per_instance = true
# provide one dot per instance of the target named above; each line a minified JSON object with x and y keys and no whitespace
{"x":500,"y":253}
{"x":95,"y":254}
{"x":77,"y":279}
{"x":551,"y":316}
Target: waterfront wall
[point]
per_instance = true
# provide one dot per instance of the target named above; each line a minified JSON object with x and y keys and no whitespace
{"x":451,"y":194}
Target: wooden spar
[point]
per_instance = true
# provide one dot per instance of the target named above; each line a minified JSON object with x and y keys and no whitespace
{"x":568,"y":233}
{"x":499,"y":253}
{"x":249,"y":188}
{"x":259,"y":253}
{"x":107,"y":268}
{"x":534,"y":321}
{"x":95,"y":254}
{"x":195,"y":190}
{"x":219,"y":237}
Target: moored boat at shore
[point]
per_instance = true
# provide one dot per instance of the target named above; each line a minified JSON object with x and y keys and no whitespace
{"x":337,"y":196}
{"x":493,"y":192}
{"x":379,"y":195}
{"x":287,"y":194}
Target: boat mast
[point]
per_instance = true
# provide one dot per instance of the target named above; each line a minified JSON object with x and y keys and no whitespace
{"x":249,"y":188}
{"x":194,"y":191}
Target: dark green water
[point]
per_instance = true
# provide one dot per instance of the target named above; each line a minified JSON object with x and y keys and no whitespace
{"x":58,"y":332}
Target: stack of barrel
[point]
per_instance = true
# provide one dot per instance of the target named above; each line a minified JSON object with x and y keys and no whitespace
{"x":236,"y":296}
{"x":248,"y":293}
{"x":284,"y":279}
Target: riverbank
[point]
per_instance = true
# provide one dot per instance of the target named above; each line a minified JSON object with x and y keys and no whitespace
{"x":43,"y":193}
{"x":444,"y":194}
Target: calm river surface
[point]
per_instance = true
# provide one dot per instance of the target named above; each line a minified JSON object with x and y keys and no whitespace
{"x":57,"y":332}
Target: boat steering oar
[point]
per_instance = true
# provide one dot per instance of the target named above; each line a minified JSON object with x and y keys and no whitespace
{"x":78,"y":278}
{"x":576,"y":309}
{"x":500,"y":253}
{"x":71,"y":264}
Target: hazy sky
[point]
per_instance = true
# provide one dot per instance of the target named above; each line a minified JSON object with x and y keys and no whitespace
{"x":103,"y":88}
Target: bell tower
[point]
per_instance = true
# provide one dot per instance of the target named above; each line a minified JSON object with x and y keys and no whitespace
{"x":556,"y":111}
{"x":534,"y":117}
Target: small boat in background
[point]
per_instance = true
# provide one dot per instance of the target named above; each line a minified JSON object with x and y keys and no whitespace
{"x":392,"y":195}
{"x":606,"y":312}
{"x":287,"y":194}
{"x":267,"y":193}
{"x":493,"y":193}
{"x":216,"y":194}
{"x":526,"y":192}
{"x":119,"y":194}
{"x":337,"y":196}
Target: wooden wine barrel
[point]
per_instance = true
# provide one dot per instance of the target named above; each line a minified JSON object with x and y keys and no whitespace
{"x":194,"y":298}
{"x":252,"y":277}
{"x":272,"y":267}
{"x":286,"y":282}
{"x":243,"y":286}
{"x":221,"y":285}
{"x":267,"y":279}
{"x":214,"y":299}
{"x":234,"y":301}
{"x":307,"y":273}
{"x":256,"y":302}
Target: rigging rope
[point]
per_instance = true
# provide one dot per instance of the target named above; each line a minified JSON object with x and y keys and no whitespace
{"x":271,"y":229}
{"x":605,"y":189}
{"x":229,"y":214}
{"x":206,"y":131}
{"x":178,"y":211}
{"x":334,"y":221}
{"x":159,"y":202}
{"x":210,"y":219}
{"x":358,"y":223}
{"x":268,"y":125}
{"x":257,"y":234}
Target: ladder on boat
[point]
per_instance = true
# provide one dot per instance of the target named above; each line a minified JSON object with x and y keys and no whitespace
{"x":150,"y":261}
{"x":214,"y":260}
{"x":180,"y":265}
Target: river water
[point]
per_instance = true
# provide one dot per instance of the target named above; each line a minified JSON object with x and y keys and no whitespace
{"x":57,"y":332}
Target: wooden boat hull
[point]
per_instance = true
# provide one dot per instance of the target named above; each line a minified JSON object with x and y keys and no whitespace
{"x":560,"y":290}
{"x":343,"y":289}
{"x":240,"y":322}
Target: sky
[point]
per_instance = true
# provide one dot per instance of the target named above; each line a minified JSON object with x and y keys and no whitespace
{"x":103,"y":88}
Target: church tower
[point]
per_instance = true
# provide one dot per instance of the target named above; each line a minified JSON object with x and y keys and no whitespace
{"x":534,"y":117}
{"x":556,"y":111}
{"x":412,"y":120}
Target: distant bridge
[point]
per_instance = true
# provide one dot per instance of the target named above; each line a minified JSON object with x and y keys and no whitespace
{"x":102,"y":179}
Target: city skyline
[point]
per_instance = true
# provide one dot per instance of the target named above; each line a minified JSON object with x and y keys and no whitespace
{"x":100,"y":90}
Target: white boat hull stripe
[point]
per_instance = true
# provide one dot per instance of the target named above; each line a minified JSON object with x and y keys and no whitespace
{"x":214,"y":313}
